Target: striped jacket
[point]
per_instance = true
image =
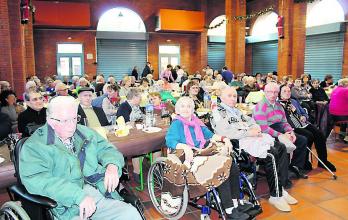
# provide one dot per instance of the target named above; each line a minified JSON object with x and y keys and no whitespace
{"x":266,"y":114}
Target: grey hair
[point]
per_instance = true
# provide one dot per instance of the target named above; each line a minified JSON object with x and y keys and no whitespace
{"x":56,"y":104}
{"x":184,"y":100}
{"x":133,"y":93}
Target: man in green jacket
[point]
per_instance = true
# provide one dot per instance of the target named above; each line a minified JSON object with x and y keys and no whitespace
{"x":74,"y":166}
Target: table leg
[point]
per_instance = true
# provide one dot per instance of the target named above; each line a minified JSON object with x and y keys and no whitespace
{"x":141,"y":187}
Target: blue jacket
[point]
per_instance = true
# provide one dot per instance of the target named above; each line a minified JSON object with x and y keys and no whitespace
{"x":176,"y":135}
{"x":299,"y":108}
{"x":98,"y":102}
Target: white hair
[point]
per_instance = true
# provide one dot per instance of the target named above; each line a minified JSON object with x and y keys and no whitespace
{"x":75,"y":78}
{"x":59,"y":86}
{"x":29,"y":85}
{"x":184,"y":100}
{"x":56,"y":104}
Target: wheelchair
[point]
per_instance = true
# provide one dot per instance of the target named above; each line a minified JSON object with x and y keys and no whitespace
{"x":26,"y":206}
{"x":212,"y":199}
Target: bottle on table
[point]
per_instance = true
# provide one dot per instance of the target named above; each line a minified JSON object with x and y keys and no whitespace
{"x":149,"y":116}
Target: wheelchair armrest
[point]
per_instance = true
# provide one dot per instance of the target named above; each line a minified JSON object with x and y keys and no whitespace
{"x":21,"y":192}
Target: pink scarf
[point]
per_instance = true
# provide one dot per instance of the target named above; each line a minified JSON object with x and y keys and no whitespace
{"x":196,"y":123}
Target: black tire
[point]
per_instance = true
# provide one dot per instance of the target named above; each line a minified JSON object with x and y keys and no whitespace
{"x":13,"y":211}
{"x":155,"y":184}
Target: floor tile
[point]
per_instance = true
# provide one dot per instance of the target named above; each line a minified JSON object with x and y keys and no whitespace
{"x":337,"y":206}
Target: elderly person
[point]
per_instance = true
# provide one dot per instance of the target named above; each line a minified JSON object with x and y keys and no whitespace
{"x":62,"y":89}
{"x":4,"y":85}
{"x":126,"y":86}
{"x":339,"y":105}
{"x":130,"y":108}
{"x":108,"y":103}
{"x":187,"y":137}
{"x":299,"y":92}
{"x":8,"y":107}
{"x":238,"y":85}
{"x":149,"y":77}
{"x":298,"y":119}
{"x":91,"y":116}
{"x":100,"y":82}
{"x":60,"y":160}
{"x":144,"y":85}
{"x":228,"y":121}
{"x":306,"y":83}
{"x":270,"y":115}
{"x":328,"y":81}
{"x":30,"y":86}
{"x":250,"y":85}
{"x":50,"y":85}
{"x":35,"y":114}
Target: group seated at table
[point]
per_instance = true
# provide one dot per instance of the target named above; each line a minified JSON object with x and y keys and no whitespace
{"x":281,"y":118}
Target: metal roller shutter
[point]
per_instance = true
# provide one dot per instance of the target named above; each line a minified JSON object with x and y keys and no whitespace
{"x":324,"y":55}
{"x":118,"y":57}
{"x":265,"y":57}
{"x":216,"y":55}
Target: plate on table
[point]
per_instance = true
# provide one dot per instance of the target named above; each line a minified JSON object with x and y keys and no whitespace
{"x":152,"y":129}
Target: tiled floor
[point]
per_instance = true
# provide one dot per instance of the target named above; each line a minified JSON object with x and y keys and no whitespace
{"x":320,"y":197}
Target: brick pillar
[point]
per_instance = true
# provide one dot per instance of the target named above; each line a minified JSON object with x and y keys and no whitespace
{"x":17,"y":46}
{"x":6,"y":72}
{"x":235,"y":35}
{"x":29,"y":48}
{"x":291,"y":48}
{"x":203,"y":38}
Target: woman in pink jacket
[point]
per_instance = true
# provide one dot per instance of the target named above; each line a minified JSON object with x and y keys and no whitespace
{"x":339,"y":104}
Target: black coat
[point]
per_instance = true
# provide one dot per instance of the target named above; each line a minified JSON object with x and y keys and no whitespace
{"x":98,"y":111}
{"x":124,"y":110}
{"x":30,"y":118}
{"x":5,"y":125}
{"x":99,"y":88}
{"x":146,"y":71}
{"x":135,"y":74}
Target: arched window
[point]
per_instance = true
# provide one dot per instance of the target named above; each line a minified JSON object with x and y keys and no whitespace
{"x":219,"y":31}
{"x":265,"y":24}
{"x":324,"y":12}
{"x":121,"y":20}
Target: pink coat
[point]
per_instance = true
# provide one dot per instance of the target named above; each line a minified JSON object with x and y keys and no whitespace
{"x":339,"y":101}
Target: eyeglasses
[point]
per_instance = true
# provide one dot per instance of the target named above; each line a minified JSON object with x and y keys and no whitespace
{"x":37,"y":99}
{"x":73,"y":120}
{"x":272,"y":92}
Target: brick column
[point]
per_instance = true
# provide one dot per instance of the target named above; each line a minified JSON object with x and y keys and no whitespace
{"x":203,"y":38}
{"x":17,"y":46}
{"x":291,"y":48}
{"x":345,"y":55}
{"x":5,"y":44}
{"x":235,"y":35}
{"x":29,"y":48}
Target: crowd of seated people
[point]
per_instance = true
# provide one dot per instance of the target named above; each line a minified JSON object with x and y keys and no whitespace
{"x":279,"y":123}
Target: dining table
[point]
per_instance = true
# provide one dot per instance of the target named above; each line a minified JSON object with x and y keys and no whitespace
{"x":138,"y":141}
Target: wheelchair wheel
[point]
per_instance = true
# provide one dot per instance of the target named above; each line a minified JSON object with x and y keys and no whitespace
{"x":13,"y":211}
{"x":155,"y":186}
